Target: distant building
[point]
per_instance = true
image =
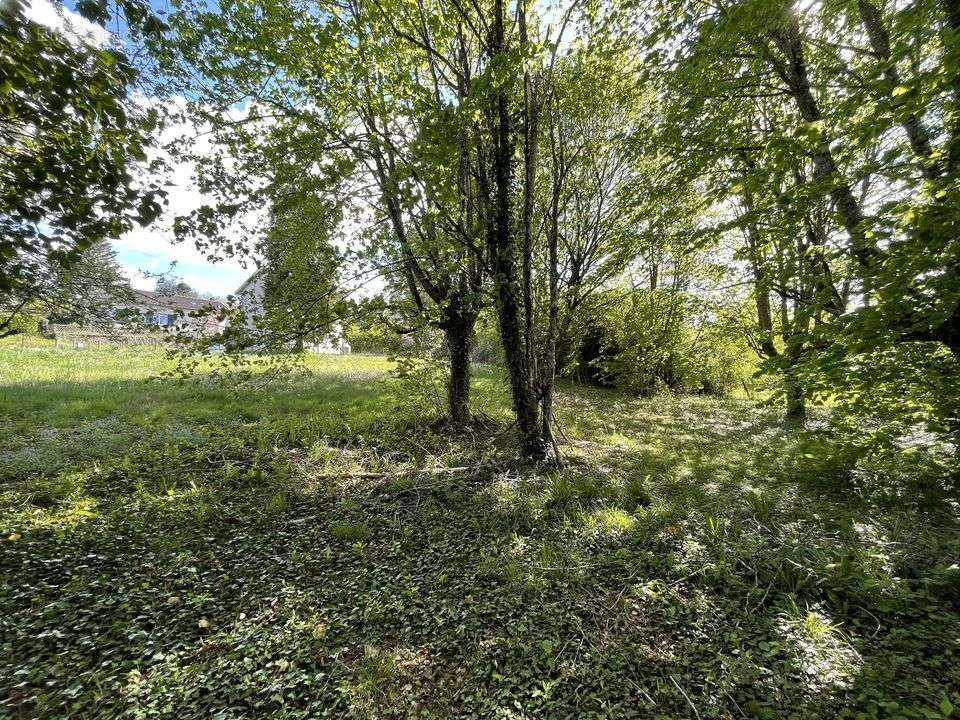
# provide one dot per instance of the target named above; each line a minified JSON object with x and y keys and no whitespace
{"x":249,"y":296}
{"x":176,"y":311}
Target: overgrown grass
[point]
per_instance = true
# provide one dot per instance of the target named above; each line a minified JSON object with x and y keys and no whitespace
{"x":314,"y":547}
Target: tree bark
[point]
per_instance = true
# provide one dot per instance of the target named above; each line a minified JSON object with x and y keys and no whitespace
{"x":880,"y":43}
{"x":503,"y":255}
{"x":952,"y":11}
{"x":549,"y":365}
{"x":531,"y":135}
{"x":792,"y":69}
{"x":796,"y":411}
{"x":761,"y":286}
{"x":795,"y":332}
{"x":459,"y":336}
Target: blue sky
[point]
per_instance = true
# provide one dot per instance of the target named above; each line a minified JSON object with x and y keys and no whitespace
{"x":140,"y":265}
{"x":144,"y":252}
{"x":152,"y":250}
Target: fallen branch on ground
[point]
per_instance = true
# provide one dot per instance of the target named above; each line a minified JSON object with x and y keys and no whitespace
{"x":378,"y":475}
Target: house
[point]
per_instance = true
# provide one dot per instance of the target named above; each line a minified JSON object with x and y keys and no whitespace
{"x":179,"y":312}
{"x":249,"y":297}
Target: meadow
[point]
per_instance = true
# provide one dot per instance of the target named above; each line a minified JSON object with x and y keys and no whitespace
{"x":320,"y":545}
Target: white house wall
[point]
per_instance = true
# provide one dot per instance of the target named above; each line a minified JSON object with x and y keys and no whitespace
{"x":249,"y":297}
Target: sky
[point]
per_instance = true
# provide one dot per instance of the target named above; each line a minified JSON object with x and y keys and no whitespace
{"x":145,"y":252}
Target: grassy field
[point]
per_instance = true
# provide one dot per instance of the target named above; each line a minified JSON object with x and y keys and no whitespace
{"x":318,"y":546}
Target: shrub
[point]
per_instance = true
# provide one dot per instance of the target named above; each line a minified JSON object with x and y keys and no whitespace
{"x":25,"y":322}
{"x":648,"y":342}
{"x":350,"y":531}
{"x":372,"y":340}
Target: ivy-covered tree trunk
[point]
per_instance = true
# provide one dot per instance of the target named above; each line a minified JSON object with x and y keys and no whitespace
{"x":507,"y":302}
{"x":459,"y":344}
{"x":458,"y":329}
{"x":503,"y":248}
{"x":796,"y":411}
{"x":549,"y":363}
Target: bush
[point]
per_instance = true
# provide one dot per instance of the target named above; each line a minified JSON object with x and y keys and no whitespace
{"x":649,"y":342}
{"x":372,"y":340}
{"x":25,"y":322}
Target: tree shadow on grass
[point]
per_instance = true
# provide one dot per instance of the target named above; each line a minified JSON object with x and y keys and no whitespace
{"x":72,"y":425}
{"x":670,"y":570}
{"x":857,"y":587}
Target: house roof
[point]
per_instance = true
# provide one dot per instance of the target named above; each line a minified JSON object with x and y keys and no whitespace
{"x":248,"y":282}
{"x":166,"y":301}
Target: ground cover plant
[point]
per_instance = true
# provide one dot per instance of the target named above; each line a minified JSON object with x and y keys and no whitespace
{"x":313,"y":548}
{"x":669,"y":421}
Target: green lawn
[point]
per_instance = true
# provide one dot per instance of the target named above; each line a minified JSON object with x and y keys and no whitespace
{"x":318,"y":546}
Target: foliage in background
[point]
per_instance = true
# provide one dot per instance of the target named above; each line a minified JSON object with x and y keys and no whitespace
{"x":486,"y":342}
{"x":649,"y":342}
{"x":827,"y":136}
{"x":71,"y":137}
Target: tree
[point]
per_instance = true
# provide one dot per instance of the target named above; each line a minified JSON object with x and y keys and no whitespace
{"x":166,"y":285}
{"x":429,"y":107}
{"x":88,"y":291}
{"x":302,"y":297}
{"x":366,"y":123}
{"x":823,"y":118}
{"x":70,"y":136}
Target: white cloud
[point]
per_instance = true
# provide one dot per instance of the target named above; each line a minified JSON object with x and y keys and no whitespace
{"x":153,"y":249}
{"x":146,"y":252}
{"x":66,"y":21}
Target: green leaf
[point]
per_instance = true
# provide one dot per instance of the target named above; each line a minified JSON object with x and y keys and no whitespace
{"x":946,"y":707}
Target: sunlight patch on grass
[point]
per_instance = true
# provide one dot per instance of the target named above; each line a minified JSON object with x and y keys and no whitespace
{"x":62,"y":517}
{"x":622,"y":441}
{"x":609,"y":519}
{"x":822,"y":650}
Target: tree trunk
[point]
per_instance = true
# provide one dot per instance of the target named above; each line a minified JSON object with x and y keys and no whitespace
{"x":761,"y":286}
{"x":792,"y":69}
{"x":531,"y":121}
{"x":503,"y":255}
{"x":459,"y":336}
{"x":532,"y":443}
{"x":548,"y":370}
{"x":880,"y":43}
{"x":796,"y":404}
{"x":952,"y":10}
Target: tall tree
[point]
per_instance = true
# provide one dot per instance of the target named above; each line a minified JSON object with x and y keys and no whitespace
{"x":857,"y":161}
{"x":350,"y":114}
{"x":70,"y":137}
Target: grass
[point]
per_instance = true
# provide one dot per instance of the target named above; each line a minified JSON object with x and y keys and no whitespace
{"x":309,"y":548}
